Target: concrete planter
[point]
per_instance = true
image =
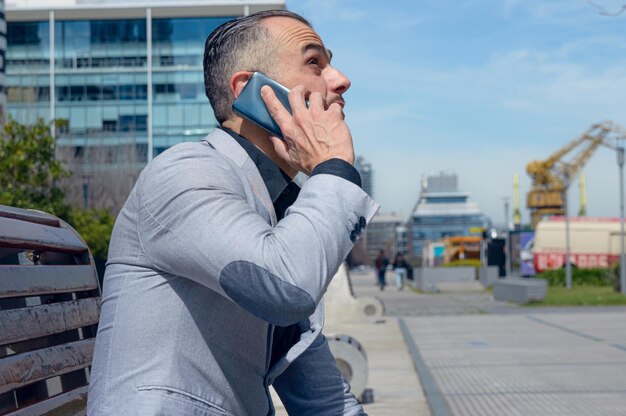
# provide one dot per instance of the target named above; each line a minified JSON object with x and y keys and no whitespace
{"x":488,"y":275}
{"x":427,"y":279}
{"x":520,"y":290}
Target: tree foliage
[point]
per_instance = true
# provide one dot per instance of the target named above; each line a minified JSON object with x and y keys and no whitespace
{"x":31,"y":177}
{"x":30,"y":171}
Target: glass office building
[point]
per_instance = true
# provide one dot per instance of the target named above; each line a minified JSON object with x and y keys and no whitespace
{"x":367,"y":174}
{"x":443,"y":211}
{"x":122,"y":78}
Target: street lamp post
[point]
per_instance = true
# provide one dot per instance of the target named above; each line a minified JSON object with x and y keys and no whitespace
{"x":85,"y":191}
{"x":508,"y":251}
{"x":622,"y":257}
{"x":568,"y":263}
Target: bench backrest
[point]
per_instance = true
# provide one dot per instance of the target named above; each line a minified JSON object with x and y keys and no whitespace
{"x":49,"y":310}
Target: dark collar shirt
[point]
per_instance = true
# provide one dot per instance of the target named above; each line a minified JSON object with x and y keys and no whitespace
{"x":284,"y":192}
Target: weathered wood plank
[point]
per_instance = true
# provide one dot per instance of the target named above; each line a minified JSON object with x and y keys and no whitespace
{"x":38,"y":321}
{"x":39,"y":280}
{"x":22,"y":369}
{"x":21,"y":234}
{"x":28,"y":215}
{"x":72,"y":403}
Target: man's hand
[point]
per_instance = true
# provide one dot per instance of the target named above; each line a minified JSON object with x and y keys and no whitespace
{"x":312,"y":135}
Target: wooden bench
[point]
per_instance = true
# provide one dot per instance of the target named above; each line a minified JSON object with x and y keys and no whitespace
{"x":49,"y":310}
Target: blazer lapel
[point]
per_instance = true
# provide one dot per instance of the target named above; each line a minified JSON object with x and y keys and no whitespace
{"x":226,"y":145}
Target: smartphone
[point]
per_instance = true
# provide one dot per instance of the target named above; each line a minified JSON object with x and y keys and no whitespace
{"x":250,"y":105}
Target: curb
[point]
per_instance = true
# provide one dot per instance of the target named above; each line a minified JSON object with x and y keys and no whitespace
{"x":437,"y":403}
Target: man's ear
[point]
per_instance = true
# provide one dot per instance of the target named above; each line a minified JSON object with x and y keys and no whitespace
{"x":238,"y":81}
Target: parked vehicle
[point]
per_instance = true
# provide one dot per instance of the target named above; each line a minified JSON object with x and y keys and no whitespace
{"x":461,"y":248}
{"x":594,"y":243}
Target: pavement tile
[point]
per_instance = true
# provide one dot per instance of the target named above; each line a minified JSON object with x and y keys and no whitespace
{"x":535,"y":364}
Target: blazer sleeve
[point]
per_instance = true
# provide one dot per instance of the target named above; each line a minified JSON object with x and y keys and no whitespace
{"x":312,"y":385}
{"x":195,"y":222}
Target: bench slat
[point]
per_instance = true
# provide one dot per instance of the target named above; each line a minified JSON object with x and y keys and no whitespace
{"x":40,"y":280}
{"x":72,"y":403}
{"x":26,"y":368}
{"x":21,"y":234}
{"x":38,"y":321}
{"x":28,"y":215}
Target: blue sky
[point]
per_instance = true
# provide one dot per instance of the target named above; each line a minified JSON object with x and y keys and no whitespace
{"x":476,"y":87}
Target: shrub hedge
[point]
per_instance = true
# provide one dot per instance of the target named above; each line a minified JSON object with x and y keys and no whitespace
{"x":583,"y":277}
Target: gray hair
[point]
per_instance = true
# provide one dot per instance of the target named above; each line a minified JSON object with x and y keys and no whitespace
{"x":238,"y":45}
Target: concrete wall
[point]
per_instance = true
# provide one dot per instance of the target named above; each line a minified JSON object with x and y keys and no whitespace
{"x":427,"y":279}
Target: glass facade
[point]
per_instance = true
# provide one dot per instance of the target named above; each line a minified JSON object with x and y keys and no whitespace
{"x":27,"y":69}
{"x":181,"y":109}
{"x":101,"y":81}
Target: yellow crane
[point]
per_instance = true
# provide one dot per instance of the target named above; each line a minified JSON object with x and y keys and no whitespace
{"x":551,"y":177}
{"x":582,"y":182}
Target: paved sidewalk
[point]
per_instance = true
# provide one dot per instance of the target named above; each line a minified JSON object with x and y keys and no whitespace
{"x":526,"y":364}
{"x":483,"y":357}
{"x":392,"y":377}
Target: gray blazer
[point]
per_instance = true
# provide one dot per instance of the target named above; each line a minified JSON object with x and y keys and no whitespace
{"x":200,"y":272}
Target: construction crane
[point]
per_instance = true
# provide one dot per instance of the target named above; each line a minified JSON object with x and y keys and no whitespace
{"x":551,"y":177}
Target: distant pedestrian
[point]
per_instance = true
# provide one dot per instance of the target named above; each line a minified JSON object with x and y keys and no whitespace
{"x":401,"y":268}
{"x":381,"y":267}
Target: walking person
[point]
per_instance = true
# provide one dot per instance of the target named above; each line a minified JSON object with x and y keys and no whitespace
{"x":381,"y":267}
{"x":401,"y":268}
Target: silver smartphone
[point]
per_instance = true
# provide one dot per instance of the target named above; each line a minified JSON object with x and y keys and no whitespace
{"x":250,"y":105}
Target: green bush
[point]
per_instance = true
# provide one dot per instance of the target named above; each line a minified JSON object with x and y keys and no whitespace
{"x":95,"y":227}
{"x":580,"y":277}
{"x":463,"y":263}
{"x":613,"y":277}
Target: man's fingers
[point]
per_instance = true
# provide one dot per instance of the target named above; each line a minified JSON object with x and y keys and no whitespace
{"x":277,"y":110}
{"x":316,"y":102}
{"x":296,"y":100}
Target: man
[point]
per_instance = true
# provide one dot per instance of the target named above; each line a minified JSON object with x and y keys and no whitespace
{"x":218,"y":262}
{"x":381,"y":268}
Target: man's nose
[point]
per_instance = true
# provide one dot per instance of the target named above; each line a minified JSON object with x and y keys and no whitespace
{"x":336,"y":81}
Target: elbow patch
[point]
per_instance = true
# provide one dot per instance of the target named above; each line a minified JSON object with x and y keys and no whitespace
{"x":264,"y":294}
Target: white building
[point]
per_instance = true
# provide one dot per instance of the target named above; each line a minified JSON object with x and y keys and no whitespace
{"x":444,"y":211}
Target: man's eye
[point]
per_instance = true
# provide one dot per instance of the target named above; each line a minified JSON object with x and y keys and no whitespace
{"x":313,"y":61}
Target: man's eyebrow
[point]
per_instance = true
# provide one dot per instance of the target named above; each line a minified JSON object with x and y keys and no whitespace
{"x":319,"y":48}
